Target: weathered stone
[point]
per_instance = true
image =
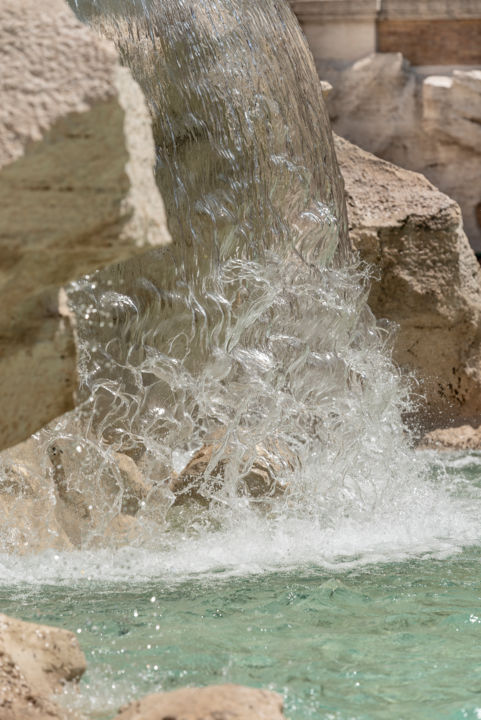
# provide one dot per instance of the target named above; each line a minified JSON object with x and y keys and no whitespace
{"x":30,"y":517}
{"x":258,"y":477}
{"x":35,"y":661}
{"x":76,"y":192}
{"x":428,"y":279}
{"x":463,"y":437}
{"x":428,"y":124}
{"x":61,"y":495}
{"x":216,"y":702}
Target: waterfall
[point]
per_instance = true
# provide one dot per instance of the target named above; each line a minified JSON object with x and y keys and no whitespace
{"x":246,"y":348}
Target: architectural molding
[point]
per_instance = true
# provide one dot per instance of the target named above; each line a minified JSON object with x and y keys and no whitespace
{"x":335,"y":10}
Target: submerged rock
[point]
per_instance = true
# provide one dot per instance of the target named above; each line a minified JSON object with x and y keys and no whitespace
{"x":35,"y":661}
{"x":256,"y":475}
{"x":428,"y":280}
{"x":76,"y":193}
{"x":215,"y":702}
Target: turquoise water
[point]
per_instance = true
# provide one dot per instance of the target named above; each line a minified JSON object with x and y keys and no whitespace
{"x":394,"y":640}
{"x":377,"y":618}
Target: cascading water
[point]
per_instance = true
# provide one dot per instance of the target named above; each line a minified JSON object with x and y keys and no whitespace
{"x":250,"y":336}
{"x":247,"y":346}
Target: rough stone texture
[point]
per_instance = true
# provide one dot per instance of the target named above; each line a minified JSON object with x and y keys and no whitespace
{"x":63,"y":495}
{"x":428,"y":279}
{"x":76,"y":192}
{"x":35,"y":661}
{"x":427,"y":124}
{"x":463,"y":437}
{"x":216,"y":702}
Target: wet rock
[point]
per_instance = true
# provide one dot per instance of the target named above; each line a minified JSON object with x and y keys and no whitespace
{"x":257,"y":475}
{"x":76,"y":193}
{"x":35,"y":661}
{"x":53,"y":496}
{"x":29,"y":513}
{"x":216,"y":702}
{"x":427,"y":280}
{"x":463,"y":437}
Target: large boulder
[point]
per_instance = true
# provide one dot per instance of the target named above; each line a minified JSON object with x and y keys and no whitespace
{"x":35,"y":661}
{"x":215,"y":702}
{"x":426,"y":123}
{"x":77,"y":192}
{"x":426,"y":280}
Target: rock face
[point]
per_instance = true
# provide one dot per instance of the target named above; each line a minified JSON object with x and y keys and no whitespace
{"x":428,"y":279}
{"x":217,"y":702}
{"x":430,"y":124}
{"x":76,"y":193}
{"x":35,"y":661}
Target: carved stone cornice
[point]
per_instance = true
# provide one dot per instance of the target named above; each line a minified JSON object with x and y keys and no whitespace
{"x":335,"y":10}
{"x":429,"y":9}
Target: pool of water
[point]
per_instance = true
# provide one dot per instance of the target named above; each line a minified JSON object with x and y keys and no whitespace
{"x":373,"y":634}
{"x":395,"y":640}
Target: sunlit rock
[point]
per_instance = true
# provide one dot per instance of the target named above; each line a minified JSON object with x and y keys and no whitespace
{"x":430,"y":123}
{"x":61,"y":496}
{"x":76,"y":193}
{"x":216,"y":701}
{"x":462,"y":437}
{"x":35,"y":661}
{"x":428,"y":280}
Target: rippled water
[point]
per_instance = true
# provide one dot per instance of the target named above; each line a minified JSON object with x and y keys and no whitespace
{"x":379,"y":641}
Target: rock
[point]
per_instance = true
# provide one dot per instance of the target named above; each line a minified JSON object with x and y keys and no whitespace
{"x":35,"y":661}
{"x":463,"y":437}
{"x":430,"y":124}
{"x":215,"y":702}
{"x":30,"y":517}
{"x":427,"y":279}
{"x":63,"y":495}
{"x":257,"y":476}
{"x":77,"y":192}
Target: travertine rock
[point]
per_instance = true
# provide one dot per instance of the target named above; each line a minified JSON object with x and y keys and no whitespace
{"x":35,"y":661}
{"x":428,"y":124}
{"x":428,"y":279}
{"x":463,"y":437}
{"x":62,"y":495}
{"x":76,"y":192}
{"x":215,"y":702}
{"x":257,"y":477}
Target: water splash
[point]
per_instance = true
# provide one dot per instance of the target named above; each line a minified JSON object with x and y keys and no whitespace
{"x":250,"y":335}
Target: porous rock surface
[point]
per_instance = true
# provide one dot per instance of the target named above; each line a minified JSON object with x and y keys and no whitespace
{"x":426,"y":280}
{"x":76,"y":193}
{"x":463,"y":437}
{"x":215,"y":702}
{"x":426,"y":123}
{"x":35,"y":661}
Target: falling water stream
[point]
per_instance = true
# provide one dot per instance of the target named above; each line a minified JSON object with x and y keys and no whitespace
{"x":345,"y":572}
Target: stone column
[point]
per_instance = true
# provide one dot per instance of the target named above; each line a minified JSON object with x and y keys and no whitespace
{"x":340,"y":30}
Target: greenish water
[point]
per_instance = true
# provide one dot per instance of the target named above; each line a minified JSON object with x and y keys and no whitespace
{"x":391,"y":640}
